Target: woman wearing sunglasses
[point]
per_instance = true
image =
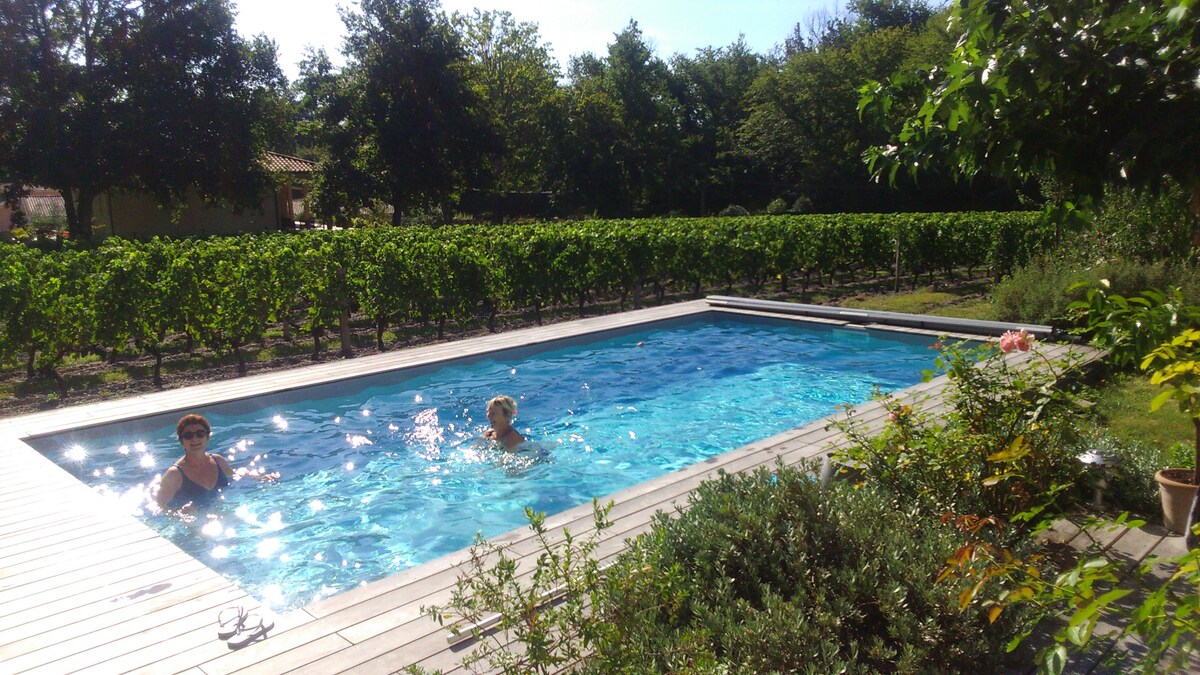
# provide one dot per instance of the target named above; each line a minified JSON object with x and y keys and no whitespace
{"x":195,"y":478}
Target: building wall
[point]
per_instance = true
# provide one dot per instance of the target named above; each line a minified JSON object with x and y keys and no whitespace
{"x":133,"y":215}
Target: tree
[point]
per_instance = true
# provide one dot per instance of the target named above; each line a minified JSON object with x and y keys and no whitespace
{"x":517,"y":81}
{"x":156,"y":95}
{"x":59,"y":92}
{"x":314,"y":92}
{"x":593,"y":161}
{"x":877,"y":14}
{"x":206,"y":104}
{"x":621,"y":108}
{"x":802,"y":124}
{"x":711,"y":90}
{"x":408,"y":128}
{"x":1089,"y":92}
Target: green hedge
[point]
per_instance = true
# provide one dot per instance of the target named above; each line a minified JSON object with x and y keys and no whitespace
{"x":226,"y":292}
{"x":771,"y":573}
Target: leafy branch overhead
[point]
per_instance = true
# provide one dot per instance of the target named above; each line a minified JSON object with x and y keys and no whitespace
{"x":1089,"y":92}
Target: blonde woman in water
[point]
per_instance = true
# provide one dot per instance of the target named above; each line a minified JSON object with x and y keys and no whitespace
{"x":500,"y":413}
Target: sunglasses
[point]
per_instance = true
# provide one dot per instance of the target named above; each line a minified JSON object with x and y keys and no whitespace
{"x":189,"y":435}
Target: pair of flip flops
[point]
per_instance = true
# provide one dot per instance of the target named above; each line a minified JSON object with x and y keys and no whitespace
{"x":239,"y":628}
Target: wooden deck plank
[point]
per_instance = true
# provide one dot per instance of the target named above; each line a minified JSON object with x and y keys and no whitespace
{"x":111,"y":611}
{"x":19,"y":543}
{"x":294,"y":659}
{"x":204,"y":649}
{"x":78,"y":651}
{"x":95,"y":561}
{"x":85,"y":635}
{"x":150,"y":575}
{"x":48,"y":521}
{"x":64,"y":543}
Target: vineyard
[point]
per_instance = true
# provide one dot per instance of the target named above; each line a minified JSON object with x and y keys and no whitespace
{"x":226,"y":293}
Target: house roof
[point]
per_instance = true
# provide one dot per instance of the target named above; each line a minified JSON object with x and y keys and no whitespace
{"x":287,"y":164}
{"x":44,"y":207}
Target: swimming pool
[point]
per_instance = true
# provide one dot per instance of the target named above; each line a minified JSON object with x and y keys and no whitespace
{"x":383,"y":473}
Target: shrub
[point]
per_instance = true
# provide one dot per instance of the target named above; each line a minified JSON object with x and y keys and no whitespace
{"x":1130,"y":328}
{"x":733,"y":210}
{"x":764,"y":572}
{"x":1005,"y":444}
{"x":1040,"y":291}
{"x":772,"y":573}
{"x":1145,"y":226}
{"x":777,"y":207}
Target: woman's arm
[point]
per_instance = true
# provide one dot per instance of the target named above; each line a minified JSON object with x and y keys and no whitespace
{"x":168,"y":486}
{"x":223,"y":464}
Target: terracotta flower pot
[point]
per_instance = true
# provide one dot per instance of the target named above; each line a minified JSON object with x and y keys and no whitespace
{"x":1176,"y":491}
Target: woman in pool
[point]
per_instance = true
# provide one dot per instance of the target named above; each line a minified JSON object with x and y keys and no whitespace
{"x":500,"y":413}
{"x":195,"y":478}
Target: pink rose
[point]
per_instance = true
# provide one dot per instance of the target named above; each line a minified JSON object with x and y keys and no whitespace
{"x":1016,"y":339}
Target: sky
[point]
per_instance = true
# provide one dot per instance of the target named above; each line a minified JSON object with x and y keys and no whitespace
{"x":570,"y":27}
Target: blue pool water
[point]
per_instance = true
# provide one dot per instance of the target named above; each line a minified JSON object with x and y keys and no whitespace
{"x":383,"y":473}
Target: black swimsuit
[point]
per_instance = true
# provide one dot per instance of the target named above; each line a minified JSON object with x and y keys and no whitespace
{"x":197,"y":494}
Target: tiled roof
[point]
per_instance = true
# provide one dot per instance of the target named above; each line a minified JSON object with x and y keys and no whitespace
{"x":48,"y":208}
{"x":287,"y":164}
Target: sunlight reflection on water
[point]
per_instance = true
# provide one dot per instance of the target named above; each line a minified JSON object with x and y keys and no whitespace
{"x":394,"y":473}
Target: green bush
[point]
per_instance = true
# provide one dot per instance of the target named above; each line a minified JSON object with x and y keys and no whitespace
{"x":764,"y":572}
{"x":1144,"y":226}
{"x":1040,"y":291}
{"x":733,"y":210}
{"x":1005,"y":444}
{"x":772,"y":573}
{"x":777,"y":207}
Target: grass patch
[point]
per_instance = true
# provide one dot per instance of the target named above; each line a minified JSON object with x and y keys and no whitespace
{"x":116,"y":376}
{"x":1124,"y":408}
{"x":280,"y":349}
{"x":966,"y":301}
{"x":914,"y":302}
{"x":978,"y":308}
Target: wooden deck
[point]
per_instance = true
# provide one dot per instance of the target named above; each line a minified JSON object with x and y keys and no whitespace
{"x":1129,"y":547}
{"x":85,"y":589}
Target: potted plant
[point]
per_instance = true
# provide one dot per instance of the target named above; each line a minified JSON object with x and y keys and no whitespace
{"x":1175,"y":365}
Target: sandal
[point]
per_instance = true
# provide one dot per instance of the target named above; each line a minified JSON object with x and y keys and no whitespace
{"x":254,"y":626}
{"x":230,"y":621}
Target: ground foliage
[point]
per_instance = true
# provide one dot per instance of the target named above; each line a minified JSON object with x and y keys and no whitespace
{"x":1008,"y":439}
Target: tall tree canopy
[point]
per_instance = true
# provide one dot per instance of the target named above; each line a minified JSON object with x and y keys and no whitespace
{"x":1089,"y":91}
{"x":517,"y":80}
{"x":623,"y":146}
{"x":803,"y":124}
{"x":408,"y":129}
{"x":711,"y":90}
{"x":153,"y":95}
